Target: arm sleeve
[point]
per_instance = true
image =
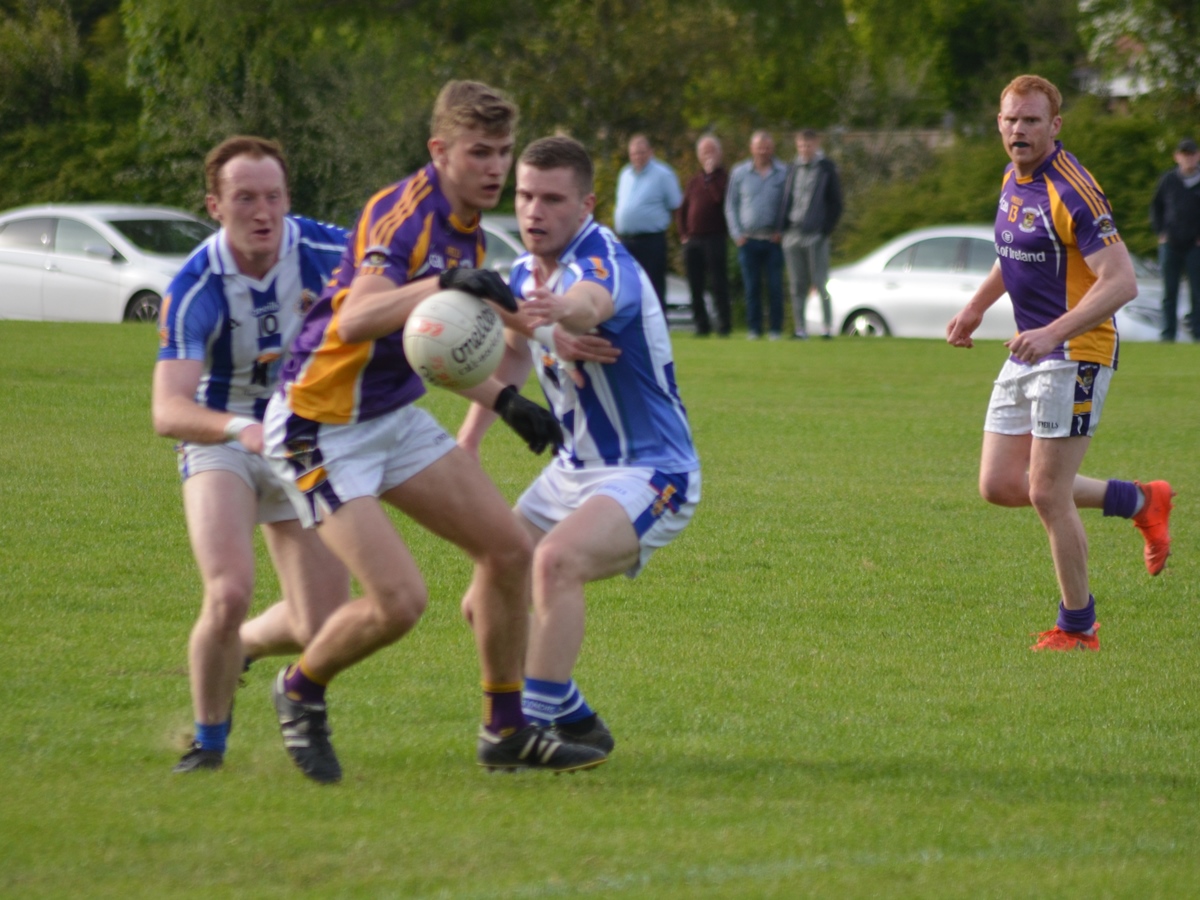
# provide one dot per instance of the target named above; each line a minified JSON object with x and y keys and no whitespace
{"x":731,"y":204}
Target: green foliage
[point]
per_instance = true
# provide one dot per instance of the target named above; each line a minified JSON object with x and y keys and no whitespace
{"x":821,"y":689}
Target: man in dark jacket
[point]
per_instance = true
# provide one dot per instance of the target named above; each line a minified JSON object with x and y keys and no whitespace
{"x":812,"y":205}
{"x":1175,"y":217}
{"x":704,"y":235}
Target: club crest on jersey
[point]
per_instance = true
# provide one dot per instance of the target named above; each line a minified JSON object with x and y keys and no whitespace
{"x":375,"y":256}
{"x":1029,"y":221}
{"x":307,"y":299}
{"x":1084,"y":381}
{"x":1105,"y":224}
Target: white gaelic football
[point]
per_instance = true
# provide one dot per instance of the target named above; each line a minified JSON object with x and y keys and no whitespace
{"x":454,"y":340}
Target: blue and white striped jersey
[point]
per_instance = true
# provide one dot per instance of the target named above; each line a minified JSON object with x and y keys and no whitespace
{"x":628,"y":413}
{"x":240,"y":326}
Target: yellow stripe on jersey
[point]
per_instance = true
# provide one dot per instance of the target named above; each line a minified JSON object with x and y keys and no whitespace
{"x":360,"y":241}
{"x":326,"y":389}
{"x":420,"y":249}
{"x":1100,"y":344}
{"x":1083,"y":408}
{"x":416,"y":189}
{"x":1082,"y":183}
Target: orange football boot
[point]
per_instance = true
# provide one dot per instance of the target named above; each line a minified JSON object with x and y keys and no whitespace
{"x":1057,"y":639}
{"x":1153,"y":523}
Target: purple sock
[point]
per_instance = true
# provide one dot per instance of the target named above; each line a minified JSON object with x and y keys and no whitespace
{"x":300,"y":687}
{"x":1120,"y":498}
{"x":502,"y":713}
{"x":1077,"y":620}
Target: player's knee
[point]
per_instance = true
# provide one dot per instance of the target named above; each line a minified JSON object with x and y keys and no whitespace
{"x":556,"y":562}
{"x":510,"y":555}
{"x":1003,"y":492}
{"x":1047,"y":498}
{"x":398,"y":611}
{"x":226,"y":603}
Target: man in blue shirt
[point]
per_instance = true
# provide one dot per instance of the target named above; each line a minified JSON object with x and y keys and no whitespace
{"x":225,"y":325}
{"x":626,"y":479}
{"x":752,"y":209}
{"x":647,"y":194}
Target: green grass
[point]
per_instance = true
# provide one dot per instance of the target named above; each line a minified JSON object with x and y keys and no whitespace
{"x":822,"y":689}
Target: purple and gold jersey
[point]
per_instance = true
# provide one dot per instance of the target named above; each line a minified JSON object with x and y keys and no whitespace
{"x":406,"y":232}
{"x":1046,"y":226}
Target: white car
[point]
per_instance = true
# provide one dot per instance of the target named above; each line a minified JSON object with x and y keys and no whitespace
{"x":92,"y":262}
{"x":504,"y":246}
{"x":916,"y":283}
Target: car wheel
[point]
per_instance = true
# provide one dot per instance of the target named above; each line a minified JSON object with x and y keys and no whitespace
{"x":143,"y":307}
{"x":865,"y":323}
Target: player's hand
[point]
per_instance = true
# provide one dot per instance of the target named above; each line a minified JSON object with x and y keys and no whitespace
{"x":545,"y":306}
{"x":960,"y":329}
{"x":1031,"y":346}
{"x":536,"y":425}
{"x":482,"y":283}
{"x":251,"y":437}
{"x":584,"y":347}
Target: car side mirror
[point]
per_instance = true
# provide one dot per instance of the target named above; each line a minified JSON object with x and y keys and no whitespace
{"x":100,"y":251}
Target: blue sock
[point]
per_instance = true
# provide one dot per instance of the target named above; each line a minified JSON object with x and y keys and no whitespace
{"x":1121,"y":498}
{"x":1080,"y":621}
{"x":547,"y":702}
{"x":212,"y":737}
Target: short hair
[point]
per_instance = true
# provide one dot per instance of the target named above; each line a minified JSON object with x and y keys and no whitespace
{"x":463,"y":105}
{"x":561,"y":152}
{"x":1024,"y":85}
{"x":761,"y":133}
{"x":809,"y":134}
{"x":708,"y":136}
{"x":239,"y":145}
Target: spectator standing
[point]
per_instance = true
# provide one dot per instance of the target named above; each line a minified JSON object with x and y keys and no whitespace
{"x":703,"y":233}
{"x":752,"y":210}
{"x":647,"y":194}
{"x":811,"y":208}
{"x":1175,"y":217}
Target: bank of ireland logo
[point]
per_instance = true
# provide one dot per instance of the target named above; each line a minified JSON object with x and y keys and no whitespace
{"x":1007,"y":237}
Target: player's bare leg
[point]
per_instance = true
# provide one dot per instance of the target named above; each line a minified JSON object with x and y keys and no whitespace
{"x":596,"y":541}
{"x":1004,"y":474}
{"x":220,"y":511}
{"x":1053,"y":465}
{"x":315,"y":583}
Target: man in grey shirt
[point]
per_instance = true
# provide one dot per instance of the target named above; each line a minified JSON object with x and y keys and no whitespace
{"x":752,"y":211}
{"x":810,"y":211}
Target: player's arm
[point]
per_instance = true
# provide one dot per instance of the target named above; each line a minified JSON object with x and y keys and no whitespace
{"x":585,"y":305}
{"x":1115,"y":285}
{"x":376,"y":306}
{"x":962,"y":326}
{"x":176,"y":413}
{"x":514,"y":368}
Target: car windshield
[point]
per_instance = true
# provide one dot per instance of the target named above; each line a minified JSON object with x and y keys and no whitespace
{"x":170,"y":237}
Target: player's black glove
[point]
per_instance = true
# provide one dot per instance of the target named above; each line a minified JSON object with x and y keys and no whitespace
{"x":480,"y":282}
{"x":536,"y":425}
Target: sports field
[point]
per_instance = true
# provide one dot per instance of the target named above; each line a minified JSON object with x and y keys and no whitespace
{"x":822,"y":689}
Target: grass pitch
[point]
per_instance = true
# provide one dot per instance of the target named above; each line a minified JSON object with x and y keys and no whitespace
{"x":823,"y":688}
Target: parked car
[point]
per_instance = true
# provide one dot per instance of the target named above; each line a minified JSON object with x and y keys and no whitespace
{"x":92,"y":262}
{"x":504,"y":246}
{"x":914,"y":285}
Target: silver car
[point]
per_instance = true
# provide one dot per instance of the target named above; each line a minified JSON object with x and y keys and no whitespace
{"x":916,"y":283}
{"x":92,"y":262}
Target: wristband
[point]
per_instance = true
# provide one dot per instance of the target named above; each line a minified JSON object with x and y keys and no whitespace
{"x":544,"y":334}
{"x":237,"y":425}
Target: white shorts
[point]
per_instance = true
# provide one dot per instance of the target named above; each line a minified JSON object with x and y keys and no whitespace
{"x":323,"y":466}
{"x":1051,"y":399}
{"x":256,"y":472}
{"x":659,"y":504}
